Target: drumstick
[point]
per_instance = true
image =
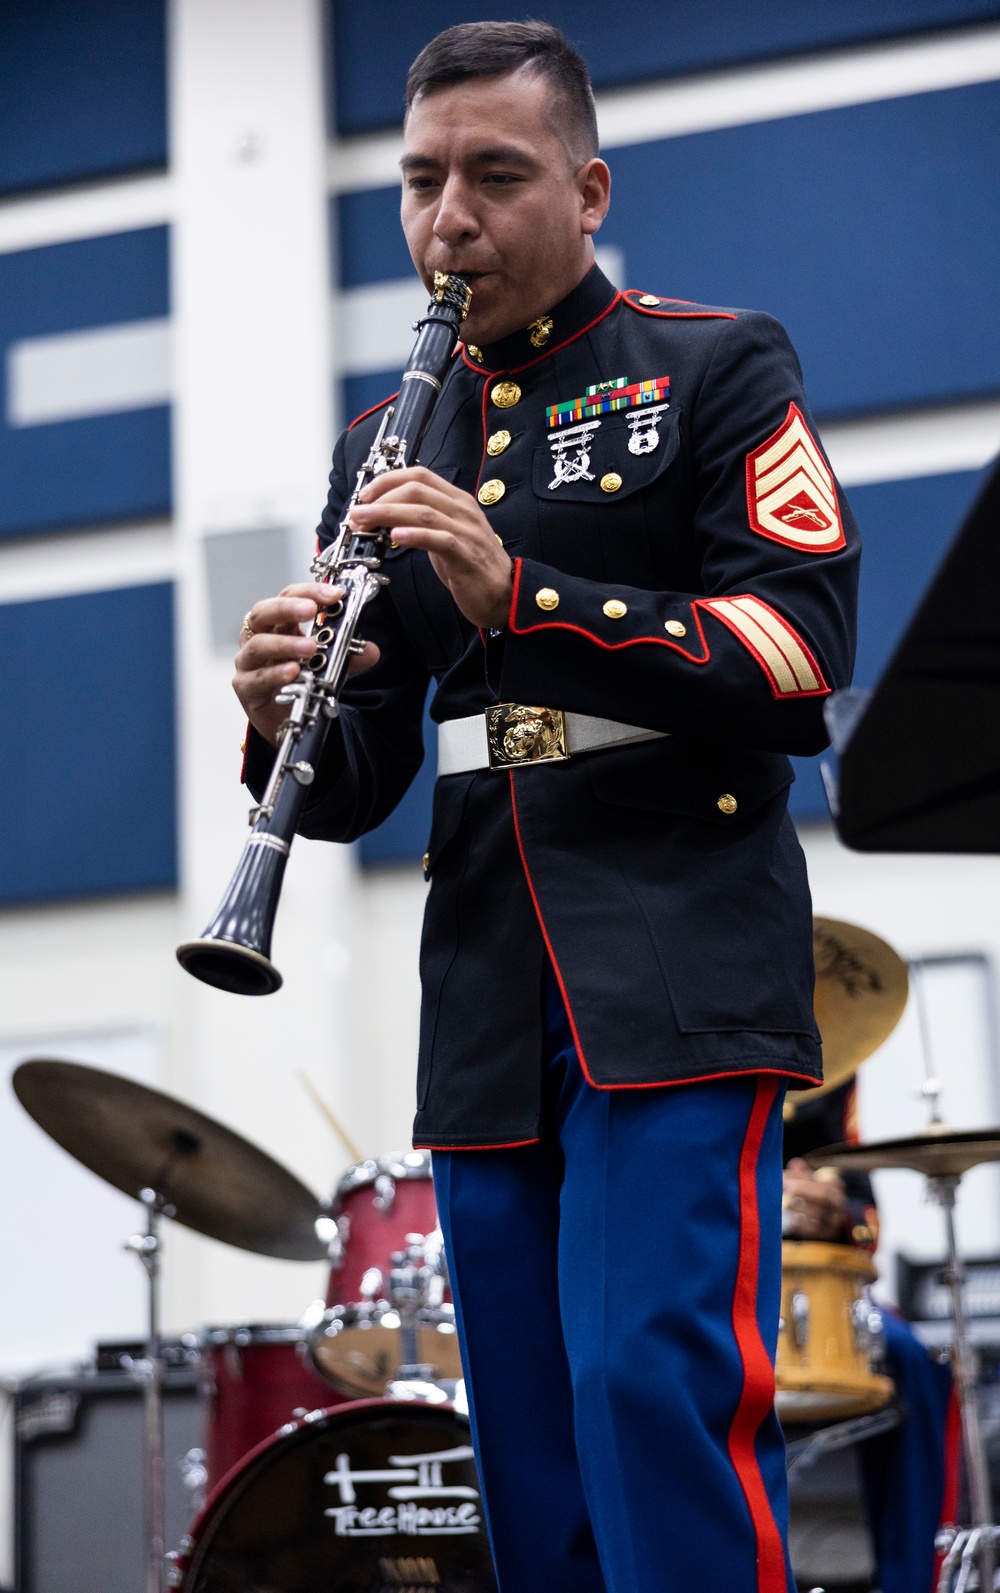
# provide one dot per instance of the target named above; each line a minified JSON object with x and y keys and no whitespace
{"x":318,"y":1101}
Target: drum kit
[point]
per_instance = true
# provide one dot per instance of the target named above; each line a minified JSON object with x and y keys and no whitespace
{"x":337,"y":1450}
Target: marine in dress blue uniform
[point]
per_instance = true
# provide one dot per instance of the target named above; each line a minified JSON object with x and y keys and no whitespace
{"x":616,"y":959}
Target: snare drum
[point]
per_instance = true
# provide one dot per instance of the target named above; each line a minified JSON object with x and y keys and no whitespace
{"x":378,"y":1495}
{"x":255,"y":1378}
{"x":830,"y":1337}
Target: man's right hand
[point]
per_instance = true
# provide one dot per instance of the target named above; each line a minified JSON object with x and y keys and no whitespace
{"x":275,"y":650}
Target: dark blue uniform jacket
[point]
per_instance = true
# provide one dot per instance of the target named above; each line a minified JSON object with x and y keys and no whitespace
{"x":678,"y":923}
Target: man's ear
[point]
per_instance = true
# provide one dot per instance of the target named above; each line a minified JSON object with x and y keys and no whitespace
{"x":594,"y":184}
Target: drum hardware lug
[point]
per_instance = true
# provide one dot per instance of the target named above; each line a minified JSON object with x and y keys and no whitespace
{"x":371,"y":1284}
{"x":799,"y":1313}
{"x":868,"y":1328}
{"x":385,"y":1193}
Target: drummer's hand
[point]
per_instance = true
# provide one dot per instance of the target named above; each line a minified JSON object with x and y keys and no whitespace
{"x":812,"y":1208}
{"x":423,"y":511}
{"x":271,"y":657}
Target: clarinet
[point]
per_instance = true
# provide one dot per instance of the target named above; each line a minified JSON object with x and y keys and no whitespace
{"x":234,"y":953}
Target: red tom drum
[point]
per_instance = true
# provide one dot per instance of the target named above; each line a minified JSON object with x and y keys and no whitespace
{"x":375,"y":1205}
{"x":255,"y":1379}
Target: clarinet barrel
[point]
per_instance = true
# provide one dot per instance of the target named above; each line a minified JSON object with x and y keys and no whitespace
{"x":234,"y":951}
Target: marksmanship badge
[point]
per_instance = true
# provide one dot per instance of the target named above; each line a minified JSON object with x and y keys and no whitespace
{"x":571,"y":454}
{"x":644,"y":435}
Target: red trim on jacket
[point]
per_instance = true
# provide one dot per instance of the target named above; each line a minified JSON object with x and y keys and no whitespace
{"x":513,"y":1144}
{"x":757,"y":1398}
{"x":610,"y":647}
{"x":243,"y":749}
{"x":374,"y":410}
{"x":780,"y":694}
{"x":677,"y":315}
{"x":515,"y":370}
{"x":804,"y":1080}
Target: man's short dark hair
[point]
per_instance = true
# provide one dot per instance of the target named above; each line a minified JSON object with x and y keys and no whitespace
{"x":492,"y":49}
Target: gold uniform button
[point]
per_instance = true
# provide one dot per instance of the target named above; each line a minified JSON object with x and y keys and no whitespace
{"x":615,"y":609}
{"x":425,"y":861}
{"x":505,"y":395}
{"x":649,"y":299}
{"x":491,"y":492}
{"x":476,"y":353}
{"x":727,"y":803}
{"x":611,"y":482}
{"x":497,"y":443}
{"x":546,"y":598}
{"x":675,"y":627}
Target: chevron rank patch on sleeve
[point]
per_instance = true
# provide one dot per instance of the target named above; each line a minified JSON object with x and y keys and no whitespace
{"x":790,"y":667}
{"x":791,"y":495}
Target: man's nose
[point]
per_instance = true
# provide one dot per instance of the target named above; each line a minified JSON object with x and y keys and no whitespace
{"x":456,"y":218}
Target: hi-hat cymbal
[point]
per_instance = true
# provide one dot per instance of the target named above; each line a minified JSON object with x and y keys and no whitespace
{"x":938,"y":1153}
{"x":138,"y":1138}
{"x":860,"y":993}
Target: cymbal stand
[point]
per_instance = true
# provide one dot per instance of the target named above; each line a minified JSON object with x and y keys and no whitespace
{"x":977,"y":1543}
{"x":149,"y":1373}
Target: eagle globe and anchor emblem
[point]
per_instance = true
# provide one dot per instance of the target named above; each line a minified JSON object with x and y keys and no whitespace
{"x":519,"y":734}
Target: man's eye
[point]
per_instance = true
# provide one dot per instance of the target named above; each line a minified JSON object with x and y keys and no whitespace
{"x":501,"y":179}
{"x":420,"y":182}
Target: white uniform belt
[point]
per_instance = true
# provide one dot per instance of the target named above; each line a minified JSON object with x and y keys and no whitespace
{"x":512,"y":735}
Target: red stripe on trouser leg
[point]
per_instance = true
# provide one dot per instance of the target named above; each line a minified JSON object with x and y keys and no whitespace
{"x":757,"y":1397}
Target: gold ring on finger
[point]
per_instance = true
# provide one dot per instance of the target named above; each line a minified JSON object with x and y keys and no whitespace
{"x":247,"y":630}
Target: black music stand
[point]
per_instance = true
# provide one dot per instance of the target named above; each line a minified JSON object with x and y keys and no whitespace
{"x":919,"y":757}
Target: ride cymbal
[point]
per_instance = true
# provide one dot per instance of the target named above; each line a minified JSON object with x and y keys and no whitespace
{"x":137,"y":1138}
{"x":937,"y":1153}
{"x":860,"y":993}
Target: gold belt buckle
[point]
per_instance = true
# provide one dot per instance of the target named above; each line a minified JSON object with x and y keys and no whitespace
{"x":518,"y":735}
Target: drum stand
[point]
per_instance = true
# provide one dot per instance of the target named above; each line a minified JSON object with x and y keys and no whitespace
{"x":148,"y":1372}
{"x":976,"y":1544}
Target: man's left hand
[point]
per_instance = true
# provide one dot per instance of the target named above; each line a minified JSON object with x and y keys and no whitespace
{"x":422,"y":511}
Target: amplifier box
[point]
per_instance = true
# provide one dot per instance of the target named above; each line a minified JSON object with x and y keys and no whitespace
{"x":78,"y":1477}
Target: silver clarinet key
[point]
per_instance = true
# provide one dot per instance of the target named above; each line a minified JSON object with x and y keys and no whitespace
{"x":644,"y":435}
{"x":571,"y":454}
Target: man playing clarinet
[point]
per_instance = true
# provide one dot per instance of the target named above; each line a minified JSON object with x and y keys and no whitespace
{"x":627,"y":568}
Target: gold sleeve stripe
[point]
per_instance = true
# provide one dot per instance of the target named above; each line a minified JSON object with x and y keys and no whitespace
{"x":784,"y":657}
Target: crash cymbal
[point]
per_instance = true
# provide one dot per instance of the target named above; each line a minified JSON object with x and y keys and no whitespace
{"x":860,"y":993}
{"x":938,"y":1153}
{"x":137,"y":1138}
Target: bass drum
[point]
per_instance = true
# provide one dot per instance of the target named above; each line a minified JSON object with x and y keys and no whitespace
{"x":365,"y":1498}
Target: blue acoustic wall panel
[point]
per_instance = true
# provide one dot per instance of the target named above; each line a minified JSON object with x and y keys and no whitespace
{"x":89,"y":775}
{"x":98,"y":467}
{"x":905,"y":528}
{"x":625,"y":43}
{"x":82,"y":89}
{"x":872,"y":232}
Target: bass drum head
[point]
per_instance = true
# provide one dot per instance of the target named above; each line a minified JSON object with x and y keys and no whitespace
{"x":365,"y":1498}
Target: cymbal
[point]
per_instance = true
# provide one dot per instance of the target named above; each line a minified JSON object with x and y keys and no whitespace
{"x":138,"y":1138}
{"x":861,"y":989}
{"x":938,"y":1153}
